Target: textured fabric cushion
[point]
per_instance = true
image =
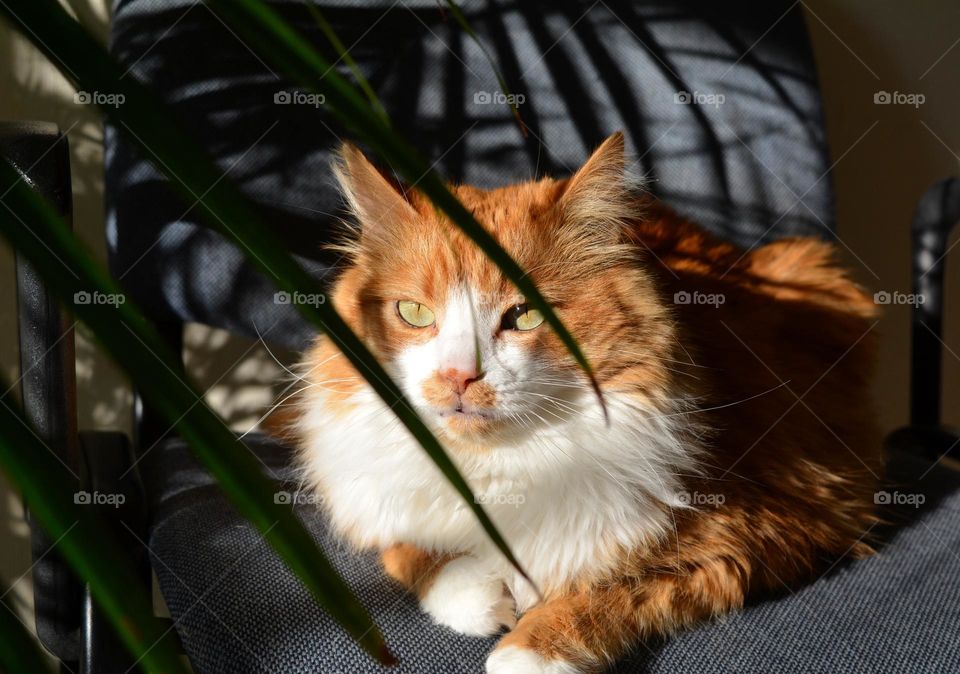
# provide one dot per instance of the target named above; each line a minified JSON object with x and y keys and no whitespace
{"x":238,"y":610}
{"x":719,"y":102}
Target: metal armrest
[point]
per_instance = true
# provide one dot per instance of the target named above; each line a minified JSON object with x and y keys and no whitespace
{"x":938,"y":212}
{"x":110,"y":484}
{"x":68,"y":623}
{"x":40,"y":155}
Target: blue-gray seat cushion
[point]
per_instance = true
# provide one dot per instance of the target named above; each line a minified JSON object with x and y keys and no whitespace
{"x":238,"y":610}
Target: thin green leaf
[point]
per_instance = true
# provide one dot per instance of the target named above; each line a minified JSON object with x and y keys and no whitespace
{"x":344,"y":55}
{"x":274,"y":39}
{"x":465,"y":26}
{"x":83,"y":539}
{"x":33,"y":229}
{"x":19,"y":651}
{"x":145,"y":121}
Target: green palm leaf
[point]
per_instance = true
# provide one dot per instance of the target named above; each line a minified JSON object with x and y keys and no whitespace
{"x":465,"y":26}
{"x":344,"y":56}
{"x":32,"y":227}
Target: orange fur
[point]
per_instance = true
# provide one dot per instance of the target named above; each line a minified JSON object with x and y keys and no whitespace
{"x":412,"y":567}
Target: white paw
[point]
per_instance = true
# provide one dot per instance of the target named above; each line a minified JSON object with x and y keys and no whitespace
{"x":513,"y":660}
{"x":466,"y":597}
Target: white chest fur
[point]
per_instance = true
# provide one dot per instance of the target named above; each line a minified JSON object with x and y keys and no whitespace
{"x":567,"y":499}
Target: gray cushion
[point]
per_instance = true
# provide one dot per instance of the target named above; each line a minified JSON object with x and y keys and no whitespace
{"x":239,"y":610}
{"x":750,"y":168}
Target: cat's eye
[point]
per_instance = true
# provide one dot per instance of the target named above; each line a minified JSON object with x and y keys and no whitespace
{"x":521,"y":317}
{"x":416,"y":314}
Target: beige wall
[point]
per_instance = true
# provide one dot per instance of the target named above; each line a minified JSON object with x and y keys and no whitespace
{"x":862,"y":46}
{"x":865,"y":46}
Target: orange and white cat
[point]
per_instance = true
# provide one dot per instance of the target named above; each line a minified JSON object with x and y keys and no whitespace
{"x":740,"y":455}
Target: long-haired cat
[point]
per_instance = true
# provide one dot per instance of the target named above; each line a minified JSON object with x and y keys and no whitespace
{"x":739,"y":457}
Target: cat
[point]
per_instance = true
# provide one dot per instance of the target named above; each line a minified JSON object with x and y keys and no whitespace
{"x":740,"y":455}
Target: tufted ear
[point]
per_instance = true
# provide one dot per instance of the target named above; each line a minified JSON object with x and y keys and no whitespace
{"x":378,"y":202}
{"x":599,"y":194}
{"x":604,"y":169}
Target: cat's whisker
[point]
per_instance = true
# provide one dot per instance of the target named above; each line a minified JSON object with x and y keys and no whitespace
{"x":643,"y":361}
{"x":270,"y":411}
{"x":284,"y":397}
{"x":643,"y":358}
{"x":570,"y":411}
{"x":720,"y":407}
{"x":544,"y":409}
{"x":321,"y":363}
{"x":299,"y":489}
{"x":664,"y":358}
{"x":315,"y":366}
{"x":299,"y":378}
{"x":275,"y":359}
{"x":566,"y":405}
{"x":557,"y":383}
{"x":680,"y":372}
{"x":684,"y":349}
{"x":325,"y":384}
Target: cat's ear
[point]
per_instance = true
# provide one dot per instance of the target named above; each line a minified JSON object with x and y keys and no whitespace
{"x":376,"y":200}
{"x":599,"y":192}
{"x":605,"y":166}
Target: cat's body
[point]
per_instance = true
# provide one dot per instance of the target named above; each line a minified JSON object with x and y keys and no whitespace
{"x":740,"y":454}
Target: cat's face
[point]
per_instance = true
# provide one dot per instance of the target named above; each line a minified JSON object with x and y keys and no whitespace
{"x":468,"y":351}
{"x":473,"y":356}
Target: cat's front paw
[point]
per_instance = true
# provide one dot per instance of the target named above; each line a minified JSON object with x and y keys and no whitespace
{"x":467,"y":598}
{"x":513,"y":660}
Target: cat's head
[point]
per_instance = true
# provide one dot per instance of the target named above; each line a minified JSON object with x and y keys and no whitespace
{"x":475,"y":359}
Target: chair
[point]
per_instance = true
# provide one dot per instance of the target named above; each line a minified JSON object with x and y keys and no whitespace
{"x":722,"y":109}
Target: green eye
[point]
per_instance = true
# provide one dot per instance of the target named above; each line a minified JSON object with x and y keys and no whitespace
{"x":416,"y":314}
{"x":521,"y":317}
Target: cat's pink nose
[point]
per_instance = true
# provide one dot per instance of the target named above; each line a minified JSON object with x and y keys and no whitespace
{"x":460,"y":379}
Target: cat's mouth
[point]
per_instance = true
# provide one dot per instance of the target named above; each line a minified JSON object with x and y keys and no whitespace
{"x":461,"y":412}
{"x":464,"y":420}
